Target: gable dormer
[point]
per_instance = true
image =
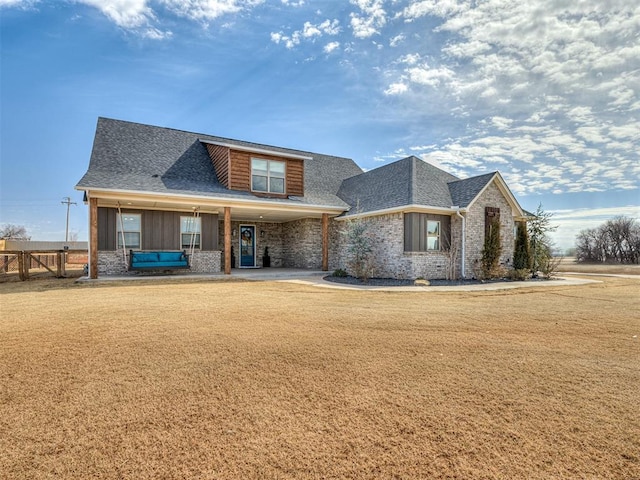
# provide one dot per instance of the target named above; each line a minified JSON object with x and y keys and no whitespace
{"x":262,"y":172}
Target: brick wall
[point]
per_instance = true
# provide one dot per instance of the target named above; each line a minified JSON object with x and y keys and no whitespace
{"x":491,"y":197}
{"x":273,"y":238}
{"x":302,"y":243}
{"x":387,"y":237}
{"x":206,"y":262}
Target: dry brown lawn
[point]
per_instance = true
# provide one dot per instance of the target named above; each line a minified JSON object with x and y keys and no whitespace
{"x":218,"y":380}
{"x":569,"y":264}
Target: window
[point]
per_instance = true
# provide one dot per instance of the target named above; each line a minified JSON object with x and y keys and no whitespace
{"x":128,"y":226}
{"x":189,"y":232}
{"x":433,"y":235}
{"x":267,"y":175}
{"x":426,"y":232}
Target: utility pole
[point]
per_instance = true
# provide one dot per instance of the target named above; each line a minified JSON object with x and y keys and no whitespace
{"x":68,"y":202}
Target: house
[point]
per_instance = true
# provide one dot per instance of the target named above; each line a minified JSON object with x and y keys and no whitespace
{"x":223,"y":201}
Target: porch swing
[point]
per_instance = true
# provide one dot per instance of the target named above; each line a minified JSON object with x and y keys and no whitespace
{"x":153,"y":260}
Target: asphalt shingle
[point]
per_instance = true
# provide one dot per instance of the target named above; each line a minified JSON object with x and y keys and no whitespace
{"x":137,"y":157}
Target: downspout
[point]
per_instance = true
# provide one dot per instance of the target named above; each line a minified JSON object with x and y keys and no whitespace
{"x":464,"y":228}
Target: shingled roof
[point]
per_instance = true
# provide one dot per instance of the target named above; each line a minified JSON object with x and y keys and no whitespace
{"x":140,"y":158}
{"x":129,"y":156}
{"x":410,"y":181}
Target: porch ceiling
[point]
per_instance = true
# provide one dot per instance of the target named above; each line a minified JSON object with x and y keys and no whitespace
{"x":238,"y":213}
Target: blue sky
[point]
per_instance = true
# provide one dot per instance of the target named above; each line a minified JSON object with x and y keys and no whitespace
{"x":546,"y":91}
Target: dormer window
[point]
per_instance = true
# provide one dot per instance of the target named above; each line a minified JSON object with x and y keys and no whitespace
{"x":267,"y":175}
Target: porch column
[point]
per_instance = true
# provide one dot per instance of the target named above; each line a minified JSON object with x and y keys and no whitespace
{"x":93,"y":238}
{"x":325,"y":242}
{"x":227,"y":240}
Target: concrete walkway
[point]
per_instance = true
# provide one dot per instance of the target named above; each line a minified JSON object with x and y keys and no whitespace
{"x":315,"y":278}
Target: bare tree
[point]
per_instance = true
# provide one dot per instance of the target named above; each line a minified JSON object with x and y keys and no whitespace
{"x":13,"y":232}
{"x":617,"y":240}
{"x":539,"y":226}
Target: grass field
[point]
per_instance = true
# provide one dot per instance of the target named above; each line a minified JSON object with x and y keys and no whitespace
{"x":218,"y":380}
{"x":569,"y":264}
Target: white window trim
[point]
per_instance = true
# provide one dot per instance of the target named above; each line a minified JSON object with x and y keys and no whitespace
{"x":198,"y":232}
{"x":438,"y":236}
{"x":119,"y":232}
{"x":284,"y":176}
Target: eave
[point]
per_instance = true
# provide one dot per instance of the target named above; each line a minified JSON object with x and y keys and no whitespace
{"x":516,"y":209}
{"x":254,"y":209}
{"x":413,"y":208}
{"x":258,"y":151}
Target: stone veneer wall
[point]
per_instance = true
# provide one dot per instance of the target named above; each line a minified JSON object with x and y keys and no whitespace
{"x":302,"y":243}
{"x":112,"y":263}
{"x":273,"y":238}
{"x":206,"y":261}
{"x":491,"y":197}
{"x":296,"y":244}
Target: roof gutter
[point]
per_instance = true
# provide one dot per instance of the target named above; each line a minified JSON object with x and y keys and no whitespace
{"x":464,"y":235}
{"x":414,"y":208}
{"x":117,"y":194}
{"x":262,"y":151}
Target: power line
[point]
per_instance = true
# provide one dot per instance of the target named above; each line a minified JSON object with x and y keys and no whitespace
{"x":68,"y":202}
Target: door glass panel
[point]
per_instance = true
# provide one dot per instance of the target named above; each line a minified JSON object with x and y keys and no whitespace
{"x":247,"y":246}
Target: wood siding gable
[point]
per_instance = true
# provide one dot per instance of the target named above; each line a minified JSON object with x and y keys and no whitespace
{"x":233,"y":169}
{"x":240,"y":177}
{"x":220,"y":157}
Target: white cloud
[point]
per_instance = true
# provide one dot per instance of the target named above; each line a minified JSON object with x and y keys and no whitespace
{"x":207,"y":10}
{"x":310,"y":31}
{"x":371,"y":18}
{"x":17,"y":3}
{"x":138,"y":16}
{"x":433,"y":77}
{"x":128,"y":14}
{"x":410,"y":59}
{"x":288,"y":41}
{"x":396,"y":89}
{"x":331,"y":46}
{"x":436,"y":8}
{"x":397,"y":40}
{"x":546,"y":85}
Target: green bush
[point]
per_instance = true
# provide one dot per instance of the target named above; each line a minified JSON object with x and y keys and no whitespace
{"x":522,"y":253}
{"x":490,"y":260}
{"x":338,"y":272}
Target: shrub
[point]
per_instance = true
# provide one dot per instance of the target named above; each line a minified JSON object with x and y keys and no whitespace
{"x":519,"y":274}
{"x":360,"y":261}
{"x":522,"y":253}
{"x":549,"y":265}
{"x":339,"y":272}
{"x":491,"y":252}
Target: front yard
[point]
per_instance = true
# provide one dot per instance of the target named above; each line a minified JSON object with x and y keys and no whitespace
{"x":217,"y":380}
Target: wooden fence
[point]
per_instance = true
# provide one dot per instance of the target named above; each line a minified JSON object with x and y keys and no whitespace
{"x":50,"y":262}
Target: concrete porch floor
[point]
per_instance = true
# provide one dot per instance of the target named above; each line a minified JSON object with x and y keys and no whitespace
{"x":236,"y":273}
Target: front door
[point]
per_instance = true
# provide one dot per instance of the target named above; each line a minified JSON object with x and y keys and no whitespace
{"x":247,"y":246}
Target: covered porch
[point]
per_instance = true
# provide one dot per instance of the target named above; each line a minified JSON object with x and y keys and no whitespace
{"x":243,"y":236}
